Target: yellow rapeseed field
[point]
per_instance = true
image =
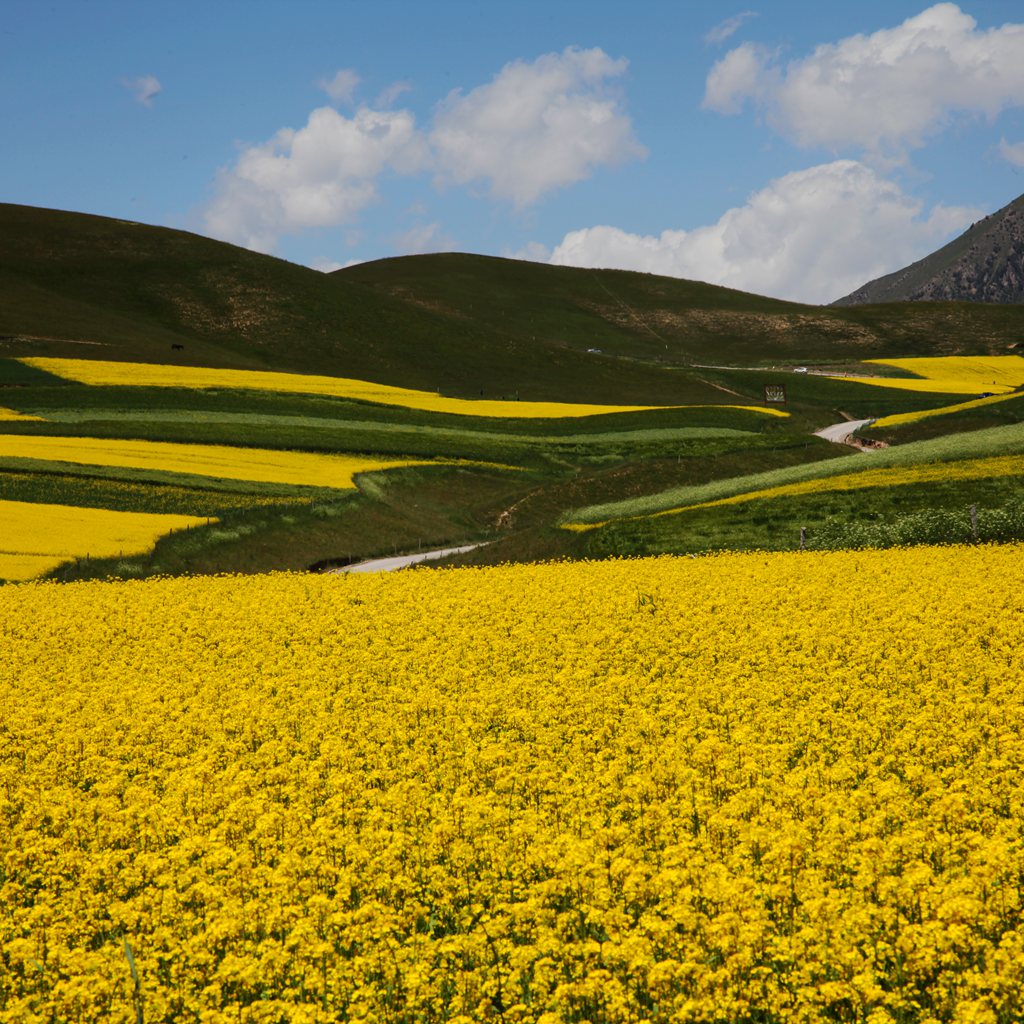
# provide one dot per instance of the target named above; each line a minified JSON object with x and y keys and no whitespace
{"x":749,"y":788}
{"x":953,"y":375}
{"x":262,"y":465}
{"x":35,"y":538}
{"x":903,"y":418}
{"x":109,"y":374}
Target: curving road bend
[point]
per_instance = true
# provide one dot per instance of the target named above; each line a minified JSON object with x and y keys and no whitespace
{"x":842,"y":433}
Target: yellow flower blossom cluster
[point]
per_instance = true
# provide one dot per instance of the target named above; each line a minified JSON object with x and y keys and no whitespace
{"x":36,"y":537}
{"x":111,"y":374}
{"x":953,"y":375}
{"x":901,"y":419}
{"x":258,"y":465}
{"x":671,"y":790}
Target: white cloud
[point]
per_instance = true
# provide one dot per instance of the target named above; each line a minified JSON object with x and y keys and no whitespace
{"x":423,"y":238}
{"x":1012,"y":152}
{"x":146,"y":88}
{"x":536,"y":126}
{"x":319,"y":176}
{"x":724,"y":29}
{"x":392,"y":92}
{"x":741,"y":73}
{"x":341,"y":87}
{"x":883,"y":92}
{"x":812,"y":236}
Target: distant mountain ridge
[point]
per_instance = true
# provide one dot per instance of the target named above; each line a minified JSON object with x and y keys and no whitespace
{"x":985,"y":264}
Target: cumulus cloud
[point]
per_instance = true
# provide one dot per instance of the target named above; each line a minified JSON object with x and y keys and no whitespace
{"x":724,"y":29}
{"x":884,"y":92}
{"x":742,"y":73}
{"x":535,"y":126}
{"x":341,"y":86}
{"x":812,"y":236}
{"x":1012,"y":152}
{"x":320,"y":175}
{"x":145,"y":88}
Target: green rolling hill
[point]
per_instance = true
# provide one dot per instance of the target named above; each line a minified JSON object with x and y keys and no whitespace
{"x":455,"y":321}
{"x":85,"y":287}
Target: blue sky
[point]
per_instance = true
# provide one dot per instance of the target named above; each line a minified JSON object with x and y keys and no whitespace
{"x":789,"y":148}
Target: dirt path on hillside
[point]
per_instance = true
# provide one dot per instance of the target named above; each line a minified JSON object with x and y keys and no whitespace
{"x":401,"y":561}
{"x":842,"y":433}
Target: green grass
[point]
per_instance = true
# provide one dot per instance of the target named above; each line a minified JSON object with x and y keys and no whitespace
{"x":189,"y":481}
{"x":80,"y":399}
{"x":1009,"y":411}
{"x":1002,"y":440}
{"x":913,"y":513}
{"x":88,"y":491}
{"x":817,"y":400}
{"x":665,"y":320}
{"x":399,"y":511}
{"x":997,"y":521}
{"x":533,"y":535}
{"x":367,"y":437}
{"x":15,"y":374}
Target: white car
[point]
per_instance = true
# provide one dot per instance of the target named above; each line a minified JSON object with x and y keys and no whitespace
{"x":800,"y":369}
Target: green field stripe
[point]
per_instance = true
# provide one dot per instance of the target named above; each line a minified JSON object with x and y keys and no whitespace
{"x":1003,"y":440}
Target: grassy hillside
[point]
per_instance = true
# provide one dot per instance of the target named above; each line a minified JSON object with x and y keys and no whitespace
{"x":92,"y":287}
{"x":667,"y":320}
{"x":467,"y":327}
{"x":919,"y":491}
{"x":73,"y":284}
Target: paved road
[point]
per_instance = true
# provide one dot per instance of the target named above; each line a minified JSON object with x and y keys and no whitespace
{"x":401,"y":561}
{"x":839,"y":433}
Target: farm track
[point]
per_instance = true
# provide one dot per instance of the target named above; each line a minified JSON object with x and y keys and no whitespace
{"x":403,"y":561}
{"x":842,"y":433}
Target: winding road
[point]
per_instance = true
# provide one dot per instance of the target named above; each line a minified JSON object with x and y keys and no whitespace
{"x":401,"y":561}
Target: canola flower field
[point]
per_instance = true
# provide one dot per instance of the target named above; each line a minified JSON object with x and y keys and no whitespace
{"x":99,"y":373}
{"x":37,"y":537}
{"x":696,"y":790}
{"x":954,"y":375}
{"x":257,"y":465}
